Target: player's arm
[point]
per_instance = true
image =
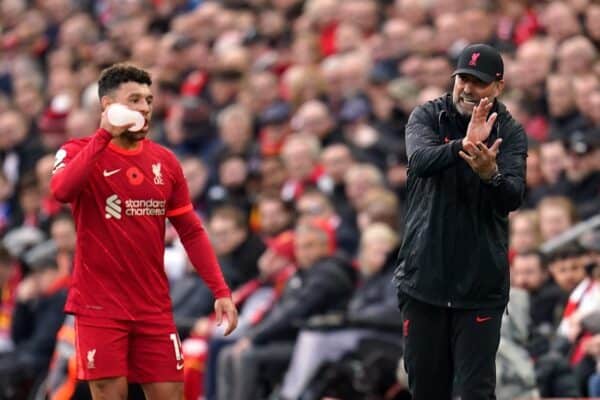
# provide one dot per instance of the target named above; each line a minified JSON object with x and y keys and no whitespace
{"x":198,"y":247}
{"x":71,"y":171}
{"x":200,"y":251}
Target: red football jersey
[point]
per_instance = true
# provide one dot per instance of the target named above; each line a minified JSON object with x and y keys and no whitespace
{"x":120,"y":206}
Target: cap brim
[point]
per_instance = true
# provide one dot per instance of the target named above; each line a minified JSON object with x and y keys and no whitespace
{"x":477,"y":74}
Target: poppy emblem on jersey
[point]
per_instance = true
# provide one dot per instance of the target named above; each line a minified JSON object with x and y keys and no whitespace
{"x":474,"y":58}
{"x":90,"y":359}
{"x":158,"y":179}
{"x":135,"y":176}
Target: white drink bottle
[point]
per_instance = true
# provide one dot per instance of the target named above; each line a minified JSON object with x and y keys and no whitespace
{"x":119,"y":115}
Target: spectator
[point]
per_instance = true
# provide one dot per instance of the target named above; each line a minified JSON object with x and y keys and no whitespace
{"x":235,"y":81}
{"x":313,"y":118}
{"x":10,"y":275}
{"x":274,"y":216}
{"x":370,"y":312}
{"x":524,"y":232}
{"x":529,"y":273}
{"x":316,"y":205}
{"x":564,"y":118}
{"x":300,"y":154}
{"x":337,"y":159}
{"x":196,"y":174}
{"x":560,"y":21}
{"x":552,"y":157}
{"x":576,"y":56}
{"x":322,"y":284}
{"x":557,"y":214}
{"x":582,"y":176}
{"x":567,"y":268}
{"x":237,"y":249}
{"x":232,"y":187}
{"x":37,"y":318}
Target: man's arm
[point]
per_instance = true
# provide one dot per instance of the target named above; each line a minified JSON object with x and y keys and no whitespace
{"x":426,"y":151}
{"x":199,"y":250}
{"x":72,"y":171}
{"x":70,"y":174}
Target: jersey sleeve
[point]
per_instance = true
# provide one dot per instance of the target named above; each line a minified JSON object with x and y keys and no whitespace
{"x":73,"y":164}
{"x":179,"y":202}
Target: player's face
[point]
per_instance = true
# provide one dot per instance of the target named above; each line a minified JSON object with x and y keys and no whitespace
{"x":138,"y":97}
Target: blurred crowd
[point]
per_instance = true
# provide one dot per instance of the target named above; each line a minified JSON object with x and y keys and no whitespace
{"x":288,"y":117}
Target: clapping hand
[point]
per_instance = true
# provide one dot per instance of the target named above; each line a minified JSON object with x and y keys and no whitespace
{"x":481,"y":159}
{"x":480,"y":125}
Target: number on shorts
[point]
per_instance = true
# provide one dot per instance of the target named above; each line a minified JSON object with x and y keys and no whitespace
{"x":176,"y":345}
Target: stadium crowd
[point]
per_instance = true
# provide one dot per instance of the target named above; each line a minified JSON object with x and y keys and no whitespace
{"x":288,"y":117}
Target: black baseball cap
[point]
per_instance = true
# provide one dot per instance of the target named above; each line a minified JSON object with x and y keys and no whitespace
{"x":482,"y":61}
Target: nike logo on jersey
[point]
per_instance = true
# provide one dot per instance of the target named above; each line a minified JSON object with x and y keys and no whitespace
{"x":109,"y":173}
{"x":479,"y":319}
{"x":179,"y":366}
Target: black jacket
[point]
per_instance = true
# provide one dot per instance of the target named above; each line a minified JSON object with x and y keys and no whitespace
{"x":324,"y":287}
{"x":34,"y":328}
{"x":455,"y":246}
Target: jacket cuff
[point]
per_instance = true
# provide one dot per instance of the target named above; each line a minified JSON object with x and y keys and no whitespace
{"x":456,"y":146}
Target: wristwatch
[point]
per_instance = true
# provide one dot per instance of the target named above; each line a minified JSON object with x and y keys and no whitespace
{"x":496,"y":179}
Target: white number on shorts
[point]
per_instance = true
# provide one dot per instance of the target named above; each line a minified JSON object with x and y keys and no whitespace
{"x":176,"y":345}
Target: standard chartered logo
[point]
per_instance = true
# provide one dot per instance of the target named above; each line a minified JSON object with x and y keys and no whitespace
{"x":113,"y":207}
{"x":133,"y":208}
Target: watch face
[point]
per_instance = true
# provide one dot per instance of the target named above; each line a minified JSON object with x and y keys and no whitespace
{"x":496,"y":179}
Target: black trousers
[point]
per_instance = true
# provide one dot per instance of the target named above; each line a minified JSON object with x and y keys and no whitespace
{"x":450,"y":353}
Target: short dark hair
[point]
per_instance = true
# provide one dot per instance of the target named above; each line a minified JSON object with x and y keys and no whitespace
{"x":112,"y":77}
{"x":534,"y":253}
{"x":571,"y":250}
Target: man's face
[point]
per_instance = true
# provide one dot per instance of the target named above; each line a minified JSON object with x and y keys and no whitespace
{"x":560,"y":96}
{"x":13,"y":130}
{"x":552,"y":160}
{"x":554,"y":220}
{"x":63,"y":233}
{"x":299,"y":160}
{"x":336,"y":161}
{"x":225,"y":235}
{"x":313,"y":206}
{"x":310,"y":246}
{"x":523,"y":234}
{"x":195,"y":175}
{"x":568,"y":273}
{"x":534,"y":177}
{"x":138,"y":97}
{"x":273,"y":217}
{"x":469,"y":90}
{"x":527,"y":273}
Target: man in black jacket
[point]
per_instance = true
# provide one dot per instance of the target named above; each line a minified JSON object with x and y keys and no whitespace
{"x":323,"y":284}
{"x":466,"y":172}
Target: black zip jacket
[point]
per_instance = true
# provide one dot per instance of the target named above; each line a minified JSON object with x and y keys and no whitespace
{"x":323,"y":288}
{"x":455,"y":246}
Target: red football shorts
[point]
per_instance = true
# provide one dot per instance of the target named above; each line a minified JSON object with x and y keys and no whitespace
{"x":142,"y":351}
